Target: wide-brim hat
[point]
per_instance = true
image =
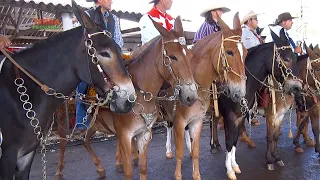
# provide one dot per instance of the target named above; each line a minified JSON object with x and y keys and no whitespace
{"x":248,"y":16}
{"x":284,"y":17}
{"x":214,"y":6}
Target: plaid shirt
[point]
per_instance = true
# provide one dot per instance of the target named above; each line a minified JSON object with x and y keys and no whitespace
{"x":205,"y":30}
{"x":117,"y":31}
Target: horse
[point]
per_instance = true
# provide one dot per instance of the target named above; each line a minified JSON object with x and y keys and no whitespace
{"x":309,"y":69}
{"x":276,"y":59}
{"x":216,"y":58}
{"x":164,"y":58}
{"x":26,"y":108}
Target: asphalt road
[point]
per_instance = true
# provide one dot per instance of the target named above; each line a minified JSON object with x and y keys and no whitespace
{"x":78,"y":165}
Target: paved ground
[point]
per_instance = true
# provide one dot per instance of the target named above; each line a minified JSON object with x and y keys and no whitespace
{"x":78,"y":165}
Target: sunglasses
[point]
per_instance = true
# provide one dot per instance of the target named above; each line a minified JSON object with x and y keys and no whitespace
{"x":254,"y":19}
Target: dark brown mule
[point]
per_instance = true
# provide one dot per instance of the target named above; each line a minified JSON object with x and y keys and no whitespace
{"x":165,"y":59}
{"x":310,"y":75}
{"x":215,"y":58}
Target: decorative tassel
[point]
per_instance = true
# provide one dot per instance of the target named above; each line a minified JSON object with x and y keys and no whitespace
{"x":290,"y":134}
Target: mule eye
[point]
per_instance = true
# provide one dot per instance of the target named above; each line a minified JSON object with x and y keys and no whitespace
{"x":173,"y":58}
{"x":230,"y":53}
{"x":105,"y":54}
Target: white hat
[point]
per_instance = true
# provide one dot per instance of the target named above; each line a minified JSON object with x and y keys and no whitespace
{"x":248,"y":16}
{"x":213,"y":6}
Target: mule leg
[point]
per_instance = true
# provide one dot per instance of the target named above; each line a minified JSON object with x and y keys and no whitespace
{"x":245,"y":138}
{"x":195,"y":131}
{"x":188,"y":139}
{"x":62,"y":126}
{"x":119,"y":164}
{"x":8,"y":164}
{"x":301,"y":122}
{"x":168,"y":143}
{"x":270,"y":132}
{"x":143,"y":144}
{"x":178,"y":139}
{"x":276,"y":134}
{"x":100,"y":170}
{"x":24,"y":166}
{"x":134,"y":152}
{"x":315,"y":116}
{"x":124,"y":141}
{"x":214,"y":143}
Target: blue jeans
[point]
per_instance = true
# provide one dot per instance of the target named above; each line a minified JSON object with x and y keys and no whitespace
{"x":80,"y":107}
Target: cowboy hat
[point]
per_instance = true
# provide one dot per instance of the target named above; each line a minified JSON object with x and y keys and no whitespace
{"x":213,"y":6}
{"x":284,"y":17}
{"x":248,"y":16}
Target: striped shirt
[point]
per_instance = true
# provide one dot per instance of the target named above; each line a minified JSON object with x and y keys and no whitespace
{"x":205,"y":30}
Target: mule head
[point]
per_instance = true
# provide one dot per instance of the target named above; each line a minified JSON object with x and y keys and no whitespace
{"x":285,"y":67}
{"x":102,"y":54}
{"x":231,"y":62}
{"x":174,"y":62}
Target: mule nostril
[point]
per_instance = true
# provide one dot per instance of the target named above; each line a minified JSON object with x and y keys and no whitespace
{"x":188,"y":99}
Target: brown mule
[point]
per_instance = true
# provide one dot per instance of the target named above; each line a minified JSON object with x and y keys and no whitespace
{"x":166,"y":58}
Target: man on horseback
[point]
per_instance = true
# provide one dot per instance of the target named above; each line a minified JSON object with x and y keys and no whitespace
{"x":210,"y":24}
{"x":107,"y":21}
{"x":250,"y":38}
{"x":284,"y":21}
{"x":159,"y":14}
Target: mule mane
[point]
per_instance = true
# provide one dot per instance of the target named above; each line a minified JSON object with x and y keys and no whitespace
{"x":259,"y":47}
{"x":49,"y":42}
{"x":206,"y":40}
{"x":144,"y":48}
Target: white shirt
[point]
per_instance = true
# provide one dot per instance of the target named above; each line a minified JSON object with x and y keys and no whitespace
{"x":148,"y":30}
{"x":249,"y":40}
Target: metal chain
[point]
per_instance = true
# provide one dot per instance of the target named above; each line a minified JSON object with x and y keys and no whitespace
{"x":34,"y":122}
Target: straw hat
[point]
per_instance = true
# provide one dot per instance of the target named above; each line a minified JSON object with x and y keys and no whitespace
{"x":214,"y":6}
{"x":248,"y":16}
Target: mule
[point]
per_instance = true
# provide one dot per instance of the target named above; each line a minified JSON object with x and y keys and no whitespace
{"x":165,"y":58}
{"x":216,"y":58}
{"x":61,"y":62}
{"x":276,"y":59}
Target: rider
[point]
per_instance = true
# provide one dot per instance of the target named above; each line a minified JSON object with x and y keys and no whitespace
{"x":111,"y":23}
{"x":210,"y":24}
{"x":159,"y":14}
{"x":250,"y":38}
{"x":284,"y":21}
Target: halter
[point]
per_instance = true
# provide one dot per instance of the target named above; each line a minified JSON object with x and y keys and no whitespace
{"x":314,"y":77}
{"x":222,"y":56}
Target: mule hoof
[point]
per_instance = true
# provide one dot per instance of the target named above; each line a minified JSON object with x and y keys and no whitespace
{"x":280,"y":163}
{"x":119,"y":168}
{"x":231,"y":176}
{"x":309,"y":143}
{"x":101,"y":173}
{"x":236,"y":169}
{"x":169,"y":155}
{"x":178,"y":177}
{"x":136,"y":161}
{"x":59,"y":176}
{"x":298,"y":150}
{"x":213,"y":151}
{"x":251,"y":144}
{"x":270,"y":167}
{"x":190,"y":155}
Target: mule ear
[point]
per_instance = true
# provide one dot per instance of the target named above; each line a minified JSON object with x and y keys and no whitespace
{"x":236,"y":22}
{"x":311,"y":54}
{"x":316,"y":50}
{"x":178,"y":26}
{"x":311,"y":46}
{"x":275,"y":37}
{"x":82,"y":17}
{"x":224,"y":26}
{"x":283,"y":37}
{"x":163,"y":31}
